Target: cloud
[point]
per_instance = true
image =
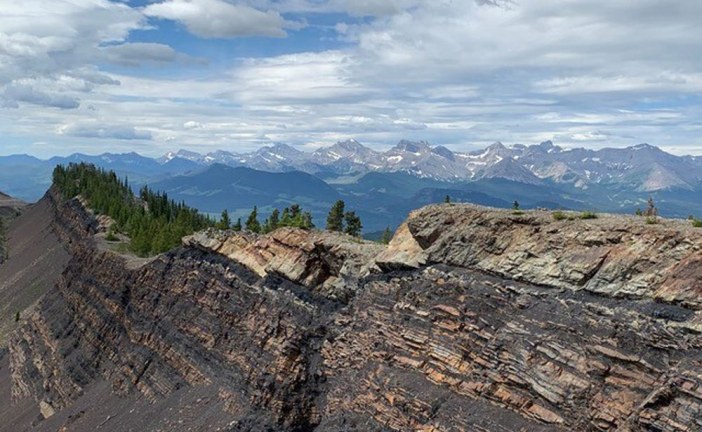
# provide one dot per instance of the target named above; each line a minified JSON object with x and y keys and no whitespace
{"x":104,"y":131}
{"x":460,"y":73}
{"x":192,"y":125}
{"x":356,"y":8}
{"x":48,"y":48}
{"x":376,"y":8}
{"x":296,"y":78}
{"x":219,"y":19}
{"x":137,"y":53}
{"x":25,"y":93}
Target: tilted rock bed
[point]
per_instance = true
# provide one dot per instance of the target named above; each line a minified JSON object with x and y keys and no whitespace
{"x":470,"y":321}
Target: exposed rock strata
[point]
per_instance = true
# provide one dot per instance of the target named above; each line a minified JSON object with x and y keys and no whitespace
{"x":475,"y":319}
{"x":615,"y":256}
{"x":326,"y":263}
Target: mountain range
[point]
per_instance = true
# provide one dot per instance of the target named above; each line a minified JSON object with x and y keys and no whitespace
{"x":643,"y":167}
{"x":384,"y":185}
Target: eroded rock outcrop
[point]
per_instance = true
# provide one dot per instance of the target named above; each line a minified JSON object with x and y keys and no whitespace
{"x":616,"y":256}
{"x":329,"y":264}
{"x":473,"y":320}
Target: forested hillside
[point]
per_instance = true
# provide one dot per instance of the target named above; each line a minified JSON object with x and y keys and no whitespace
{"x":153,"y":222}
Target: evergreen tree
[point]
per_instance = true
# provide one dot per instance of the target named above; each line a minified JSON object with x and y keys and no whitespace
{"x":307,"y":221}
{"x":353,"y":224}
{"x":515,"y":205}
{"x":285,"y":218}
{"x":274,"y":219}
{"x":237,"y":225}
{"x":335,"y":219}
{"x":252,"y":223}
{"x":224,"y":221}
{"x":387,"y":236}
{"x":295,"y":211}
{"x":447,"y":200}
{"x":651,"y":210}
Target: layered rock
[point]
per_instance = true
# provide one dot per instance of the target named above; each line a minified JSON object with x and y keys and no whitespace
{"x":472,"y":320}
{"x":328,"y":264}
{"x":447,"y":349}
{"x":614,"y":256}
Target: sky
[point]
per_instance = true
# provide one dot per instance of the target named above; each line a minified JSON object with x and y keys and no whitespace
{"x":153,"y":76}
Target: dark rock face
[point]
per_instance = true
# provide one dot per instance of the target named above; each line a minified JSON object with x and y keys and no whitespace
{"x":185,"y":319}
{"x":35,"y":259}
{"x":437,"y":341}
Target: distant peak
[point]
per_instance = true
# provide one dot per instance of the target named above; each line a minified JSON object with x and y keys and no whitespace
{"x":412,"y":146}
{"x":350,"y":144}
{"x":549,"y":147}
{"x":497,"y":145}
{"x":443,"y":151}
{"x":281,"y":148}
{"x":645,"y":146}
{"x":187,"y":152}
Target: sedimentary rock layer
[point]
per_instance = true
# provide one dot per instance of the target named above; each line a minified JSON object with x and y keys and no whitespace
{"x":616,"y":256}
{"x":473,"y":319}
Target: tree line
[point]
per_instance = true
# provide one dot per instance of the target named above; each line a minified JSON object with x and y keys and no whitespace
{"x":293,"y":216}
{"x":154,"y":222}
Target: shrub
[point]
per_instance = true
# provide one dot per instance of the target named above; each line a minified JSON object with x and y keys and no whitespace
{"x":111,"y":237}
{"x":588,"y":215}
{"x":697,"y":223}
{"x":651,"y":220}
{"x":559,"y":215}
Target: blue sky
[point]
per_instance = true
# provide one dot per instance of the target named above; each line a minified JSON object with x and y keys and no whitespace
{"x":153,"y":76}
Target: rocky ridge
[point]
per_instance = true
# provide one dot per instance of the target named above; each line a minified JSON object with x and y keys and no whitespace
{"x":472,"y":319}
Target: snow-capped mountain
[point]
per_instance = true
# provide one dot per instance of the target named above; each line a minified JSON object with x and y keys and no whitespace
{"x":278,"y":157}
{"x":643,"y":168}
{"x":347,"y":155}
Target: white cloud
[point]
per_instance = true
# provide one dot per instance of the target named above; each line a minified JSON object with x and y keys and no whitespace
{"x":219,"y":19}
{"x":192,"y":125}
{"x":48,"y":48}
{"x":308,"y":77}
{"x":103,"y":131}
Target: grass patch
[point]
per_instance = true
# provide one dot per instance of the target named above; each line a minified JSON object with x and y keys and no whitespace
{"x":517,"y":212}
{"x":697,"y":223}
{"x":588,"y":215}
{"x":651,"y":220}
